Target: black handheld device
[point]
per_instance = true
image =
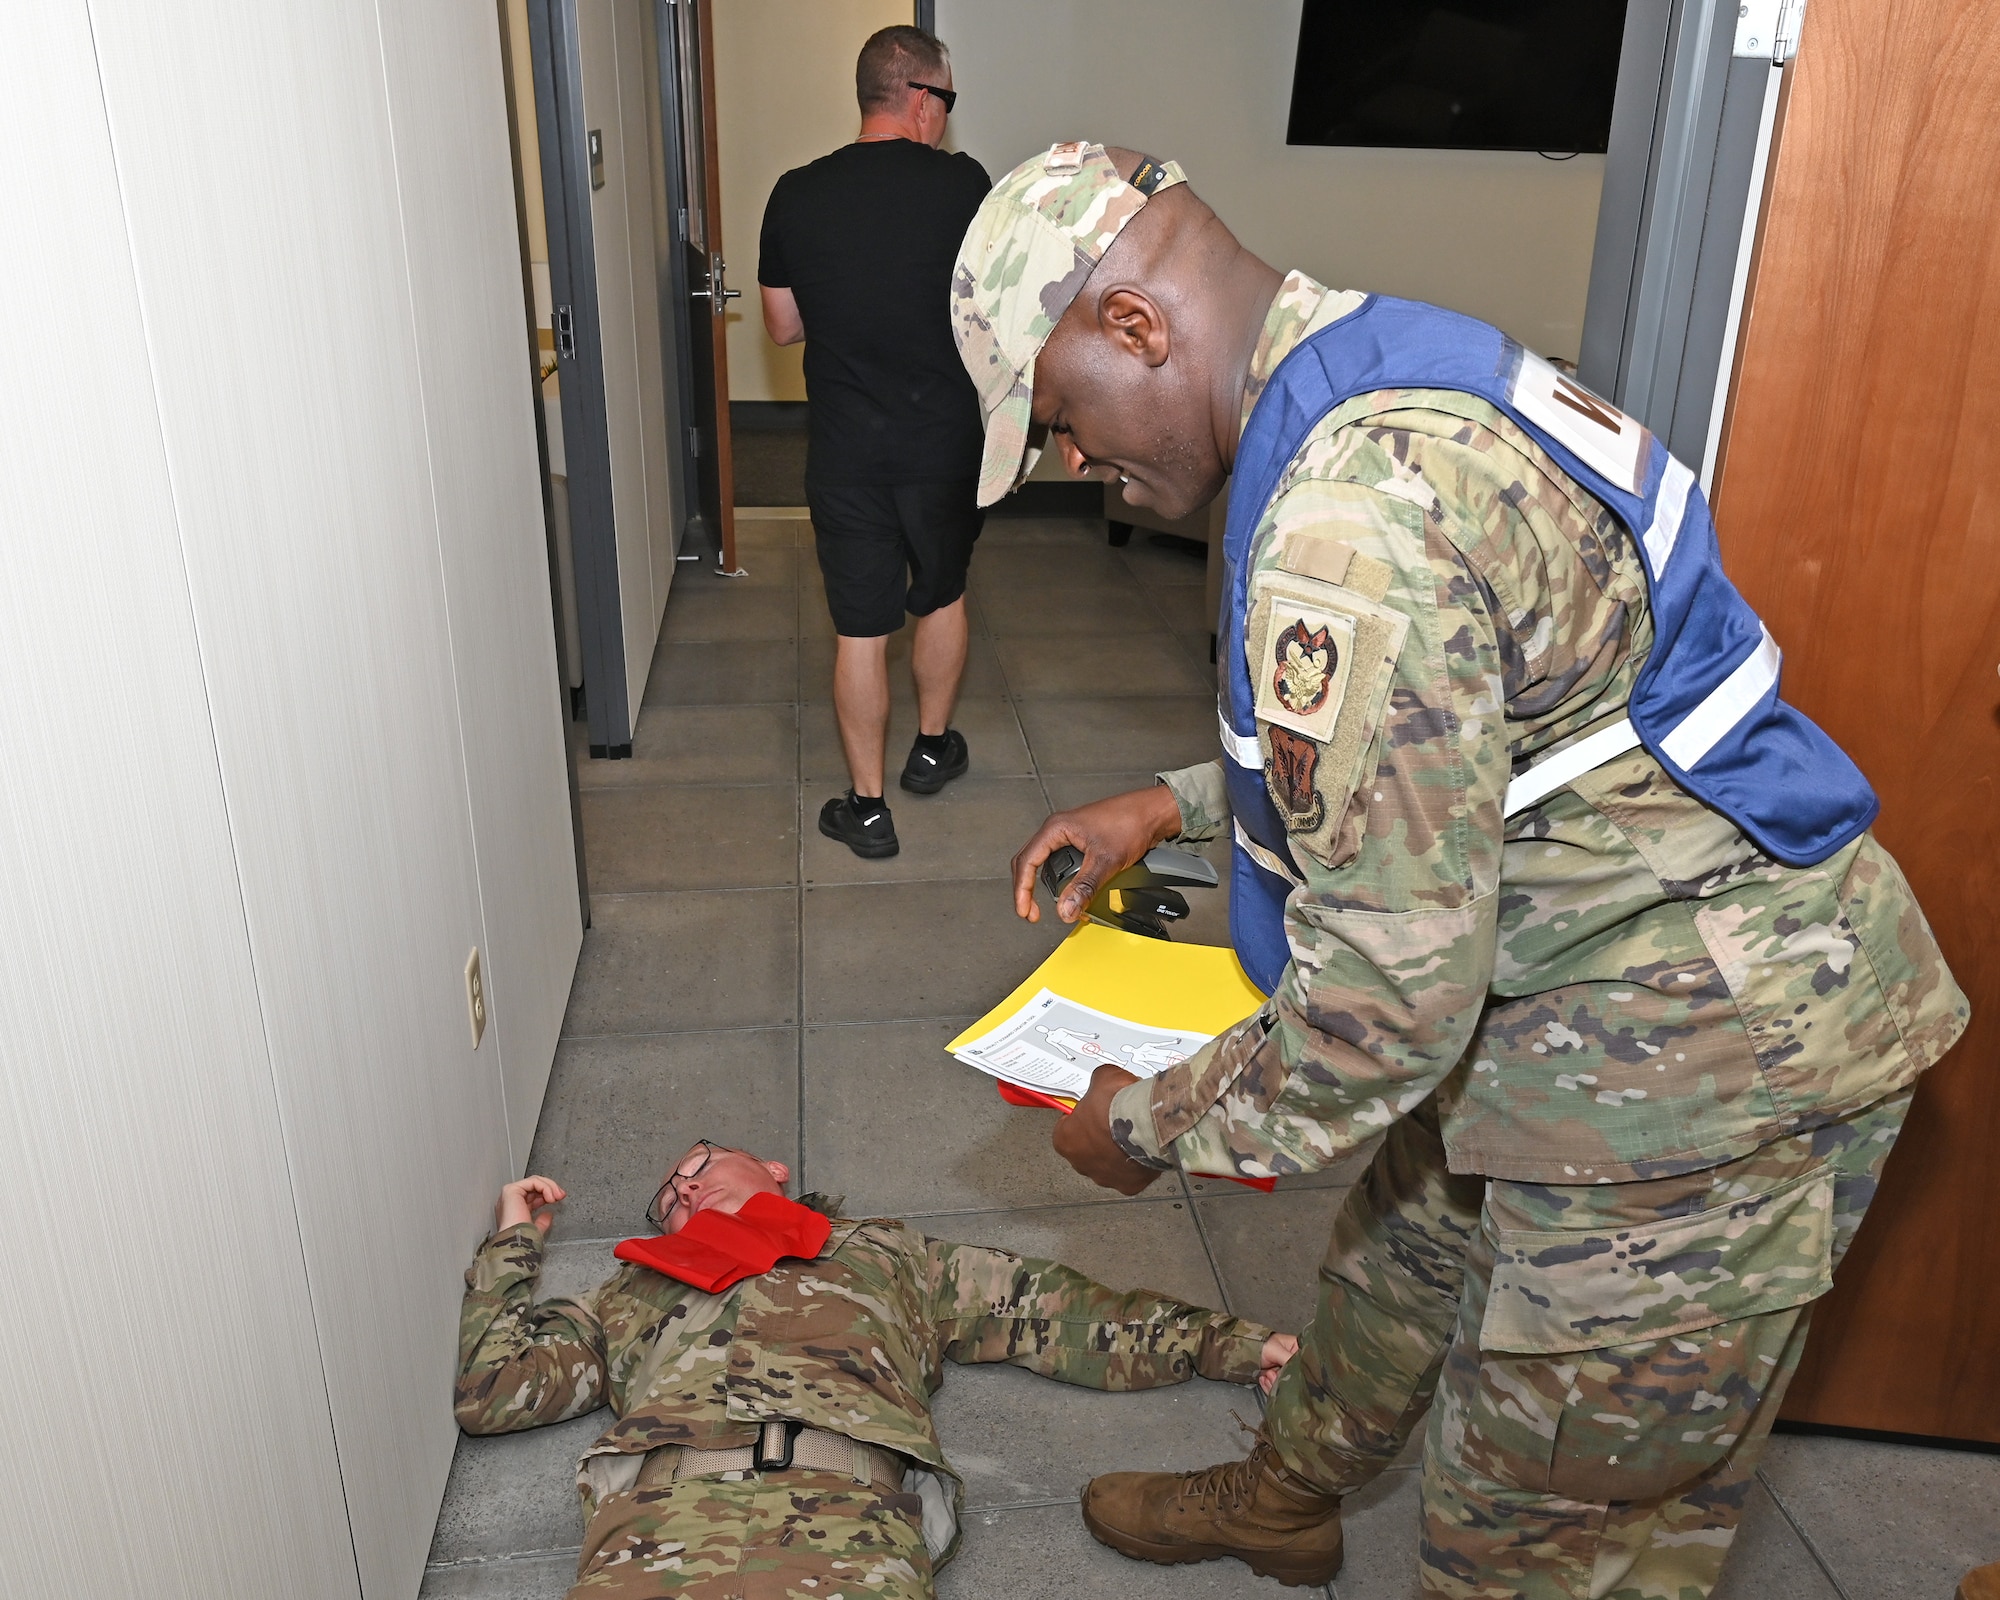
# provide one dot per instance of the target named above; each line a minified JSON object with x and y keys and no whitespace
{"x":1142,"y":899}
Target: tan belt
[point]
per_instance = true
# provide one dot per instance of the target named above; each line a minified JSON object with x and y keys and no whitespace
{"x":781,"y":1447}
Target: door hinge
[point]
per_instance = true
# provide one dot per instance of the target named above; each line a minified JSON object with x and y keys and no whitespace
{"x":694,"y":442}
{"x":565,"y":334}
{"x":1768,"y":29}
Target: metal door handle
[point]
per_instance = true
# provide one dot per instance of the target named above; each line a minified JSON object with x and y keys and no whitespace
{"x":718,"y":293}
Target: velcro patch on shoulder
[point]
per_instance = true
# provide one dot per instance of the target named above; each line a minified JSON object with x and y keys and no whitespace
{"x":1315,"y":555}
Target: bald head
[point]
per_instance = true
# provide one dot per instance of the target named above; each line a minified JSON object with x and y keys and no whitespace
{"x":1142,"y":379}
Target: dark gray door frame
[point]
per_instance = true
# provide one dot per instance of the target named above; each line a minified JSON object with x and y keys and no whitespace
{"x":580,"y":364}
{"x":1689,"y":128}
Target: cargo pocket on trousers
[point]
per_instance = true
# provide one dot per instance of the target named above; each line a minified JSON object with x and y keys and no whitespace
{"x":1653,"y":1345}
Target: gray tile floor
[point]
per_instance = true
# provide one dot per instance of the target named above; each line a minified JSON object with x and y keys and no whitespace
{"x":747,"y":980}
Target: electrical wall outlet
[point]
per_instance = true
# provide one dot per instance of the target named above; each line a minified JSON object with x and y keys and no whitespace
{"x":475,"y":996}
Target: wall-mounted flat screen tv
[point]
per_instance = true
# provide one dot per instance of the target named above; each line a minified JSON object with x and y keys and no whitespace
{"x":1457,"y":75}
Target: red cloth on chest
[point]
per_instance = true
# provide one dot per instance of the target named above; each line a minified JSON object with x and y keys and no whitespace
{"x":720,"y":1248}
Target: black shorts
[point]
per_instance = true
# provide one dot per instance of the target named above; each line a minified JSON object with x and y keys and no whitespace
{"x":888,"y":548}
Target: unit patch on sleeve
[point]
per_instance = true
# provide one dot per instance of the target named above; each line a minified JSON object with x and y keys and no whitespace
{"x":1290,"y":777}
{"x":1305,"y":668}
{"x":1322,"y":657}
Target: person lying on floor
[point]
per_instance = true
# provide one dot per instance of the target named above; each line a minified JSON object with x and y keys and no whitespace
{"x":770,"y":1364}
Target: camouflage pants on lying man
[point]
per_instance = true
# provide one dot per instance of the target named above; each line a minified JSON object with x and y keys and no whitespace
{"x":1601,"y":1364}
{"x":796,"y":1536}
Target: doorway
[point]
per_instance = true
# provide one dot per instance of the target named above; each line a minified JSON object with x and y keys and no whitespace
{"x":618,"y":146}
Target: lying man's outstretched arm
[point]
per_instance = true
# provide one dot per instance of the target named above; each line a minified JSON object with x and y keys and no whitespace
{"x":991,"y":1305}
{"x":521,"y":1364}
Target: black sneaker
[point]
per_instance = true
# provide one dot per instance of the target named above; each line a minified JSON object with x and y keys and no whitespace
{"x":872,"y":838}
{"x":926,"y":771}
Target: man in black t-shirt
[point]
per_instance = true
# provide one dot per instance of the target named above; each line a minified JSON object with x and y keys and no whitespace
{"x":856,"y":260}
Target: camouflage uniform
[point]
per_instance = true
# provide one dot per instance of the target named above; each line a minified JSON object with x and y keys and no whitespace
{"x":851,"y":1342}
{"x":1638,"y":1078}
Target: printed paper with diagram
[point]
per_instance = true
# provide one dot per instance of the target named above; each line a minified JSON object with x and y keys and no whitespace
{"x":1054,"y":1044}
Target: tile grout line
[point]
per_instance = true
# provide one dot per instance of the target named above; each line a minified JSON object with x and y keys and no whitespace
{"x":467,"y":1563}
{"x":1812,"y":1546}
{"x":1014,"y":706}
{"x":1208,"y":1249}
{"x":1008,"y":1506}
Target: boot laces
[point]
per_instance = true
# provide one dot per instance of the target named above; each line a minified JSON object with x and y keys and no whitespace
{"x":1231,"y":1485}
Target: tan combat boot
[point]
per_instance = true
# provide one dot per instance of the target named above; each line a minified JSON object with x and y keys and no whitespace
{"x":1981,"y":1583}
{"x":1256,"y":1510}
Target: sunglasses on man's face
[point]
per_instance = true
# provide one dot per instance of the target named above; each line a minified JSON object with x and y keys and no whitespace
{"x":948,"y":96}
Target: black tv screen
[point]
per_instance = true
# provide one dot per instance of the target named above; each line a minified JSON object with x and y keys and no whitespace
{"x":1462,"y":75}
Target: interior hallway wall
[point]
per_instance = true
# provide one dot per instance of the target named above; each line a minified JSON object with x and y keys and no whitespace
{"x":153,"y":1448}
{"x":1502,"y":235}
{"x":784,"y":95}
{"x":282,"y":746}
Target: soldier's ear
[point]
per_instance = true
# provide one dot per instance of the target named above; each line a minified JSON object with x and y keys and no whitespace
{"x":780,"y":1173}
{"x":1136,"y":324}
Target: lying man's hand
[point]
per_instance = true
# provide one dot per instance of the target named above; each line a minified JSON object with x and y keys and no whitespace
{"x":1278,"y":1349}
{"x":1083,"y":1138}
{"x":527,"y":1201}
{"x":1111,"y":833}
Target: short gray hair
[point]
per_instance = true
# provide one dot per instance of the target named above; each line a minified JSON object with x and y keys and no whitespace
{"x":890,"y":59}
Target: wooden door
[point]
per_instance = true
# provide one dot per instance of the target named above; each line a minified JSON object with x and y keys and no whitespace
{"x":1858,"y":501}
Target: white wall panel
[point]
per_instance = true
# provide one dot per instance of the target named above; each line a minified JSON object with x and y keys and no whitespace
{"x":254,"y":147}
{"x":450,"y":119}
{"x":166,"y":1428}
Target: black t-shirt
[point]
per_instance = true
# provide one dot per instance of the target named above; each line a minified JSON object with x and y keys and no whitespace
{"x":865,"y":239}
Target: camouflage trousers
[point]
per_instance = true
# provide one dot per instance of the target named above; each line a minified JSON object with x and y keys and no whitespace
{"x":1601,"y":1365}
{"x":802,"y":1536}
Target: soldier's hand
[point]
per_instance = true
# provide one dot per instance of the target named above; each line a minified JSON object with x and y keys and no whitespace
{"x":1083,"y":1138}
{"x":527,"y":1201}
{"x":1278,"y":1349}
{"x":1112,"y":834}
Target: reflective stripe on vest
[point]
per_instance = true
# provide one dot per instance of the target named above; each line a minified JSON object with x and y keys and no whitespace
{"x":1706,"y":701}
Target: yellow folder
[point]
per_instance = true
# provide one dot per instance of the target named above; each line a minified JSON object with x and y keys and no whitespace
{"x":1197,"y":988}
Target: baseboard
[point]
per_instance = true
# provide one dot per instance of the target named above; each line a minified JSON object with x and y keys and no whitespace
{"x":1828,"y":1430}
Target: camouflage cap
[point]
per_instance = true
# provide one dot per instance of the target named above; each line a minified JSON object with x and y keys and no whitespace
{"x":1025,"y":257}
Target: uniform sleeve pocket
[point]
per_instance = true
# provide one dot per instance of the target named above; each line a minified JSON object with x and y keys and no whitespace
{"x":1562,"y":1291}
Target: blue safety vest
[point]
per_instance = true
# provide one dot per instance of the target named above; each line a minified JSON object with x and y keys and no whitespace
{"x":1706,"y":702}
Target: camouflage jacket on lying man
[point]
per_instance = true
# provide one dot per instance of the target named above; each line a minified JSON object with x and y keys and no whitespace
{"x":852,"y":1341}
{"x":1613,"y":985}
